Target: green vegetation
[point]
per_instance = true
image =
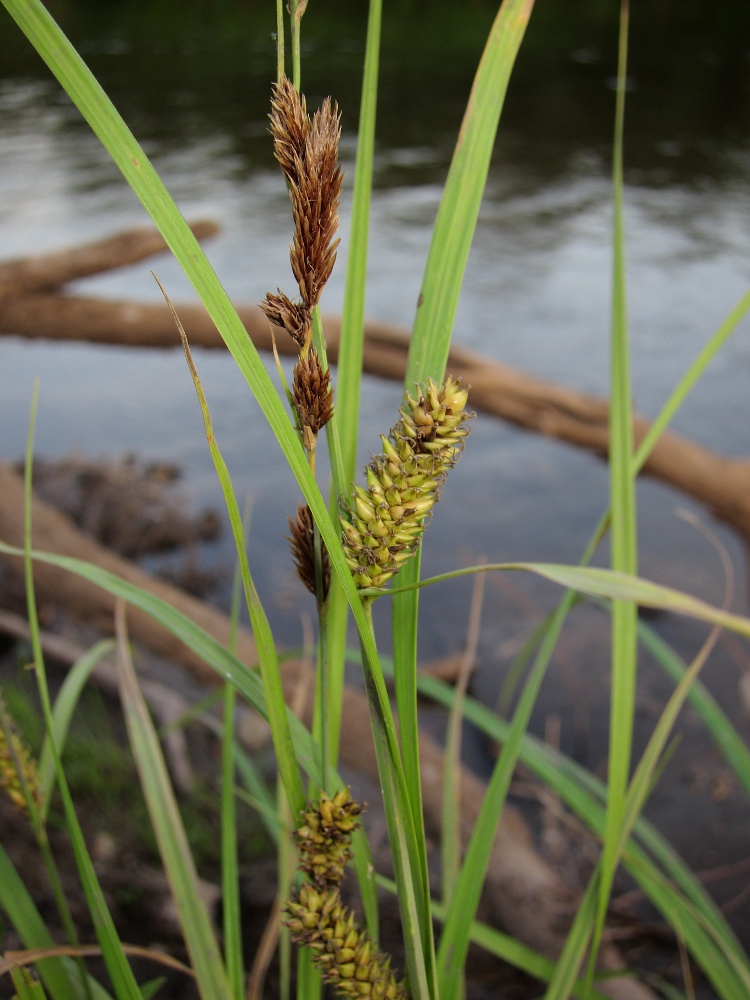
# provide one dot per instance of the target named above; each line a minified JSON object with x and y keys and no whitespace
{"x":379,"y":559}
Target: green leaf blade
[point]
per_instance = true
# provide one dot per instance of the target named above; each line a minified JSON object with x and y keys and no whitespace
{"x":170,"y":833}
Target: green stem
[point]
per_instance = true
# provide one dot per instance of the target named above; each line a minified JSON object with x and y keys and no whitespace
{"x":285,"y":878}
{"x":279,"y":40}
{"x":322,"y":706}
{"x":296,"y":10}
{"x":230,"y":886}
{"x":332,"y":432}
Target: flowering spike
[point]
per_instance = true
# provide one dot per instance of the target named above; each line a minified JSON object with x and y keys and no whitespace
{"x":316,"y":915}
{"x":404,"y":483}
{"x":17,"y":766}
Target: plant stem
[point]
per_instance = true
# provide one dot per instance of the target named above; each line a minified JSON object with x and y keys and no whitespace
{"x":279,"y":40}
{"x":323,"y":714}
{"x":296,"y":10}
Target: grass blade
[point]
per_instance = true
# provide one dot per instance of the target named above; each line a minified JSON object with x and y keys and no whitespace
{"x":454,"y":941}
{"x":502,"y":945}
{"x":120,"y":973}
{"x":165,"y":816}
{"x":450,"y":832}
{"x":27,"y":988}
{"x":597,"y":583}
{"x":569,"y":962}
{"x":59,"y":976}
{"x":716,"y":721}
{"x":462,"y":197}
{"x":623,"y":528}
{"x":583,"y":793}
{"x":267,"y":657}
{"x":230,"y":880}
{"x":65,"y":706}
{"x":230,"y":885}
{"x":349,"y":369}
{"x":428,"y":350}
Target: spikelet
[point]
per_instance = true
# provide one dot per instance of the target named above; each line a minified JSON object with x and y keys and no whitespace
{"x":341,"y":950}
{"x":17,"y":766}
{"x":302,"y":544}
{"x":316,"y":916}
{"x":383,"y":523}
{"x":323,"y":840}
{"x":307,"y":152}
{"x":313,"y":396}
{"x":294,"y":317}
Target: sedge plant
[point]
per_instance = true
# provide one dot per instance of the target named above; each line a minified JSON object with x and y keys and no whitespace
{"x":360,"y":546}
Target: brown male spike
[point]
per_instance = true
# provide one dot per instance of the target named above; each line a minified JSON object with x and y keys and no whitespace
{"x":307,"y":152}
{"x":312,"y":394}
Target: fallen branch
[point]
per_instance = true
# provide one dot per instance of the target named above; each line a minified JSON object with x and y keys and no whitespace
{"x":721,"y":483}
{"x":527,"y":895}
{"x":44,"y":271}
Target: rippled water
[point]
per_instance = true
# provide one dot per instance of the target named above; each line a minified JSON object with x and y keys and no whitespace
{"x":193,"y":80}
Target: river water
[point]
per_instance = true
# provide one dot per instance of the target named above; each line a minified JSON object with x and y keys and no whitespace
{"x":192,"y":79}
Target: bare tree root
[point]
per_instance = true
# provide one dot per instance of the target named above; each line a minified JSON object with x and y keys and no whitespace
{"x":721,"y":483}
{"x":44,"y":271}
{"x":527,"y":896}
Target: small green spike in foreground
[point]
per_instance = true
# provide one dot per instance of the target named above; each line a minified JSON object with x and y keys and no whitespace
{"x":385,"y":521}
{"x":317,"y":917}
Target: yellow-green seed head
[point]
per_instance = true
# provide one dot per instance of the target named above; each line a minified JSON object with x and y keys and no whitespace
{"x":341,"y":950}
{"x":325,"y":836}
{"x":17,"y":766}
{"x":382,"y":524}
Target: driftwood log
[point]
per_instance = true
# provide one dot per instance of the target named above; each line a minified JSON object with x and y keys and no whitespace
{"x":30,"y":307}
{"x":527,"y":896}
{"x":46,"y":271}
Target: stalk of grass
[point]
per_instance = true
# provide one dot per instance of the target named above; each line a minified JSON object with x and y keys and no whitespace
{"x":713,"y":717}
{"x":230,"y":896}
{"x":568,"y":963}
{"x":267,"y":657}
{"x":501,"y":945}
{"x":450,"y":831}
{"x":637,"y":793}
{"x":286,"y":869}
{"x":230,"y":885}
{"x":454,"y":941}
{"x":120,"y":973}
{"x":296,"y":9}
{"x":351,"y":346}
{"x":27,"y":988}
{"x":174,"y":849}
{"x":62,"y":713}
{"x":624,"y":547}
{"x":60,"y":976}
{"x":430,"y":341}
{"x":279,"y":40}
{"x":27,"y":779}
